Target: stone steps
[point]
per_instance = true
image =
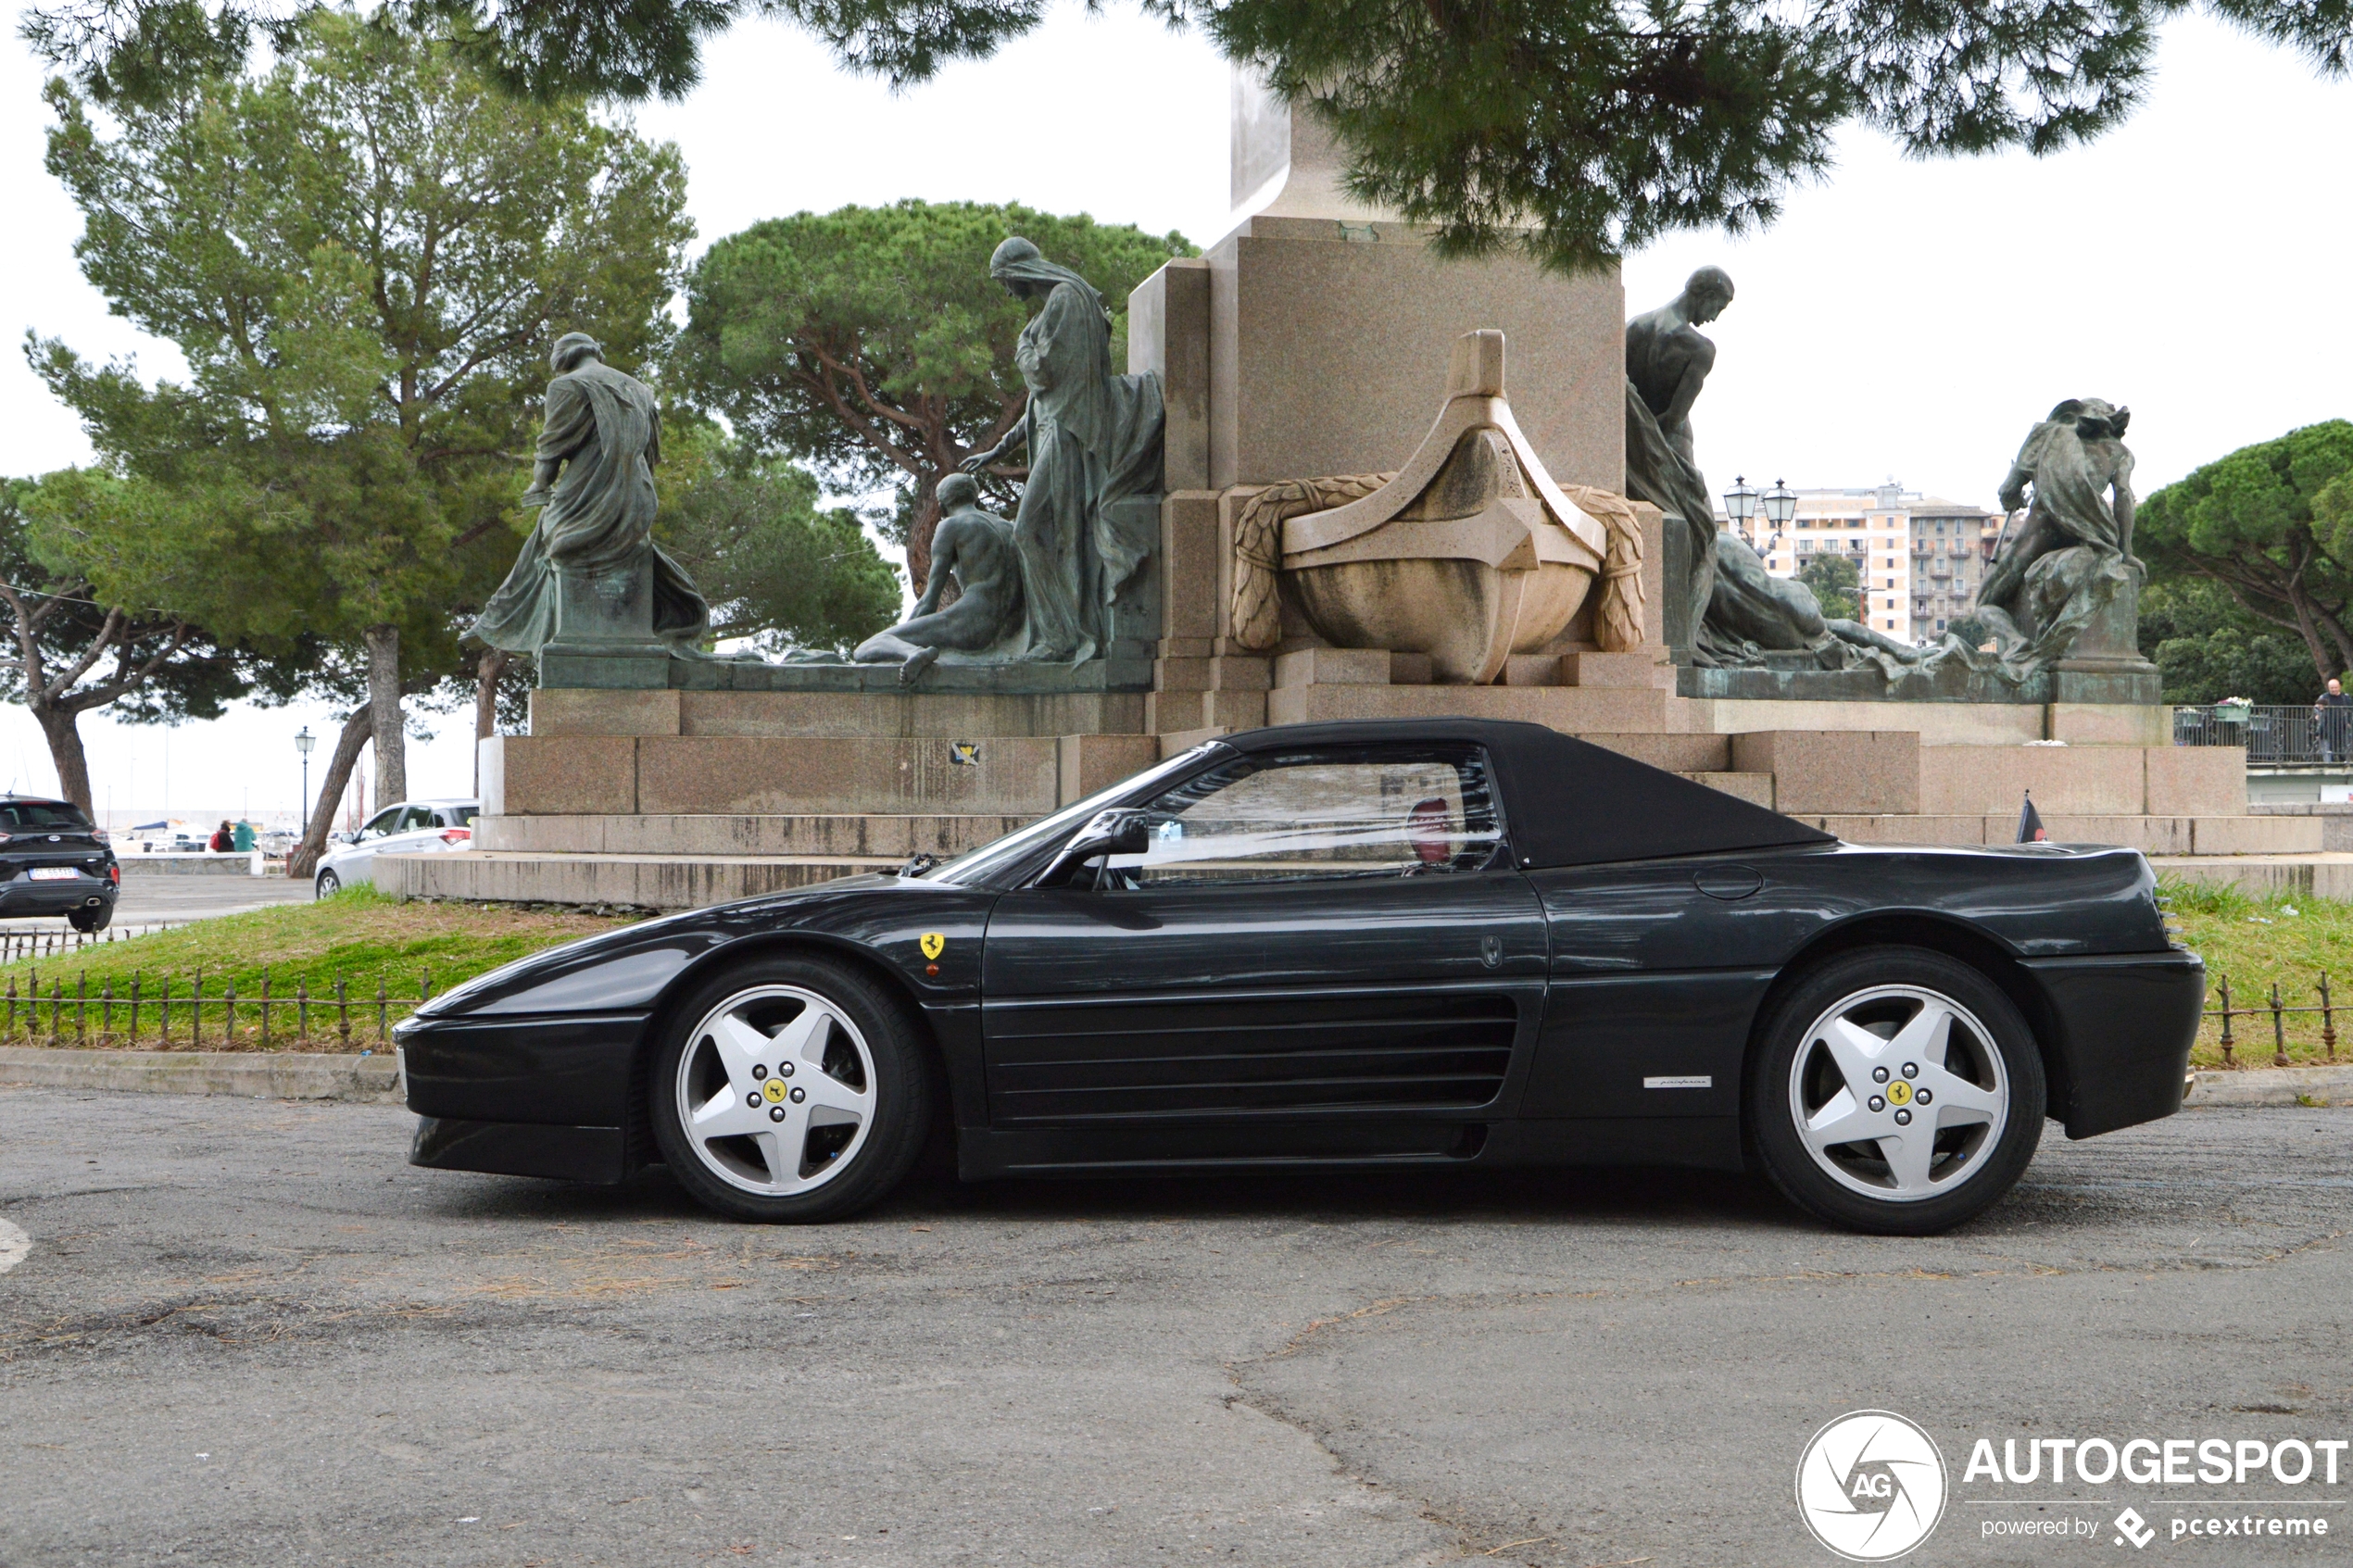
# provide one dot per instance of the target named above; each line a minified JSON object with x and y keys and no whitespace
{"x":2328,"y":874}
{"x":646,"y":882}
{"x":574,"y":775}
{"x":1579,"y":710}
{"x":2203,"y":836}
{"x":841,"y":835}
{"x":834,"y":715}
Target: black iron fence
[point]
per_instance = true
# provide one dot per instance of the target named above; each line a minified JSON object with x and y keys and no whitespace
{"x":173,"y":1010}
{"x":2270,"y":734}
{"x":47,"y":942}
{"x":2278,"y":1010}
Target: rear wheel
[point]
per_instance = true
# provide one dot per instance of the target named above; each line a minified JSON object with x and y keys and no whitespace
{"x":1899,"y":1092}
{"x":791,"y":1090}
{"x":91,"y":921}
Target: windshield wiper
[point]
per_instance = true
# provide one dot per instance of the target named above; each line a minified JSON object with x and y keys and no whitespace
{"x":918,"y":864}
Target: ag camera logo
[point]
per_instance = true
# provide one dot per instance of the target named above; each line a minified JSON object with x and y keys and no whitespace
{"x":1871,"y":1486}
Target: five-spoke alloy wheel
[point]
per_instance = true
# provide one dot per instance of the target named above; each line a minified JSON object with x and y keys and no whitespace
{"x":794,"y":1091}
{"x":1899,"y":1092}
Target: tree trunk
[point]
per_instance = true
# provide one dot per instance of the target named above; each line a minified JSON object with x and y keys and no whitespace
{"x":488,"y":670}
{"x":2308,"y":623}
{"x":58,"y":726}
{"x":921,"y":526}
{"x":384,"y":704}
{"x":356,"y":728}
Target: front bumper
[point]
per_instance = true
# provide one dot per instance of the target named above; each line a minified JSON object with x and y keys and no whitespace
{"x":2125,"y":1026}
{"x":521,"y":1097}
{"x":520,"y":1148}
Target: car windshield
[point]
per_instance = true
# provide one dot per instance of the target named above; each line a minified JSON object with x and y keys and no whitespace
{"x":23,"y":816}
{"x":976,"y":866}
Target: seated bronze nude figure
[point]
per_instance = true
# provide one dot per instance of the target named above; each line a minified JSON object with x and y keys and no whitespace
{"x":978,"y":548}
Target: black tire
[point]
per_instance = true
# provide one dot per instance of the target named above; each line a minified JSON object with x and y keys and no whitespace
{"x":91,"y":921}
{"x":327,"y":886}
{"x":1992,"y":1058}
{"x":894,"y":1072}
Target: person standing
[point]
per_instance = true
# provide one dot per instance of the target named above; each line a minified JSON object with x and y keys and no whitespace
{"x":2333,"y":717}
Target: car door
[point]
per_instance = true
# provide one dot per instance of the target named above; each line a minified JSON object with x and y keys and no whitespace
{"x":1658,"y":969}
{"x":374,"y":837}
{"x":1327,"y":952}
{"x":417,"y":830}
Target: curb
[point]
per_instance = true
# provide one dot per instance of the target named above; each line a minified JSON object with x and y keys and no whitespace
{"x":251,"y":1074}
{"x":2270,"y":1085}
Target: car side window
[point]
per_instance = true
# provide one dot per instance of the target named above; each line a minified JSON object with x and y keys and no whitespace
{"x":385,"y":821}
{"x":1320,"y":814}
{"x":415,"y":817}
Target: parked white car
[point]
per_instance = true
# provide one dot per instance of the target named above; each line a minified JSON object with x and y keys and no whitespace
{"x":409,"y":828}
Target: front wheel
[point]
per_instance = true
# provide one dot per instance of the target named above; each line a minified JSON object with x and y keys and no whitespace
{"x":792,"y":1090}
{"x":328,"y":886}
{"x":1899,"y":1092}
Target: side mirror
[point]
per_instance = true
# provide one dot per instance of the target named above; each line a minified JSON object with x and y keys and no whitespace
{"x":1120,"y":831}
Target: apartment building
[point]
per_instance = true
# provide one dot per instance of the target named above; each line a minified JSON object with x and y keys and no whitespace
{"x":1919,"y":558}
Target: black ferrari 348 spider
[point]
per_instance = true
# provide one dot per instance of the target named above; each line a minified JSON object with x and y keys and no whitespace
{"x":1365,"y":946}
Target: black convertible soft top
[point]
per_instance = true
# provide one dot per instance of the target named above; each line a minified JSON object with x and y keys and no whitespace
{"x":1567,"y":801}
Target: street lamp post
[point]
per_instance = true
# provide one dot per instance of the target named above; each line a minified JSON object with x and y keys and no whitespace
{"x":1740,"y":504}
{"x":1779,"y":504}
{"x":304,"y":741}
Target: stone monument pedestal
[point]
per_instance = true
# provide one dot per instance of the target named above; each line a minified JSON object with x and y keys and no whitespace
{"x":604,"y":634}
{"x":1312,"y":341}
{"x":2104,"y":666}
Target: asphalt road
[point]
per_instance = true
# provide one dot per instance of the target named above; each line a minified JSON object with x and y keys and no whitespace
{"x":246,"y":1331}
{"x":164,"y":898}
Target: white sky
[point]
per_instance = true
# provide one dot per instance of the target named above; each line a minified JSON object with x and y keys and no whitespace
{"x":1905,"y":319}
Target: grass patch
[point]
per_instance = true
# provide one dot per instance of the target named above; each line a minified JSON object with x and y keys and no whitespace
{"x":2280,"y":939}
{"x":360,"y":936}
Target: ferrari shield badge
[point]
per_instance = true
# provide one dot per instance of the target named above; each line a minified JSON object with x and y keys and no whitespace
{"x":933,"y":944}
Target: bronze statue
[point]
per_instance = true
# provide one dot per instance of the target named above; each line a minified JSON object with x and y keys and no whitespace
{"x":590,"y":575}
{"x":1094,"y":439}
{"x":1668,"y":360}
{"x":978,"y":549}
{"x":2074,"y":552}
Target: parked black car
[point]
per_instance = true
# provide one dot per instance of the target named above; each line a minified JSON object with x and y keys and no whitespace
{"x":1379,"y":946}
{"x":55,"y":861}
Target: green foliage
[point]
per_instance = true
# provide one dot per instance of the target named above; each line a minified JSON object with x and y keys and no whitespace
{"x":187,"y":676}
{"x":2210,"y":649}
{"x":872,"y":342}
{"x":2263,"y":526}
{"x":1601,"y":125}
{"x":363,"y":254}
{"x":359,"y":935}
{"x":777,"y":567}
{"x":1836,"y":583}
{"x":2283,"y":939}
